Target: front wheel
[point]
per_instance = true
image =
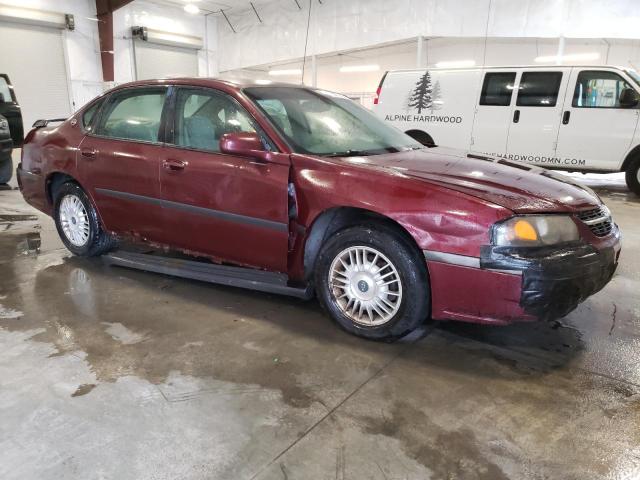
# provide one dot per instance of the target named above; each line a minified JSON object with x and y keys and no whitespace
{"x":373,"y":282}
{"x":78,"y":224}
{"x":632,"y":176}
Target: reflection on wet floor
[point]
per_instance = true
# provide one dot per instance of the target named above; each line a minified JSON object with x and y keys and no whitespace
{"x":138,"y":375}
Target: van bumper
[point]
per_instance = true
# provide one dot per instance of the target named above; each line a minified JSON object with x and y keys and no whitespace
{"x":514,"y":284}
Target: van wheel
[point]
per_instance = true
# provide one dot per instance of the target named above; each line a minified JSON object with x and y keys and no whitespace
{"x":373,"y":283}
{"x":422,"y":137}
{"x":78,"y":224}
{"x":632,"y":176}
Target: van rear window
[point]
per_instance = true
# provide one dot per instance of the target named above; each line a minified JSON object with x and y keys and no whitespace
{"x":497,"y":88}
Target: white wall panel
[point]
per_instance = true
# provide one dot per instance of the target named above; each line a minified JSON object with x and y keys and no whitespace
{"x":350,"y":24}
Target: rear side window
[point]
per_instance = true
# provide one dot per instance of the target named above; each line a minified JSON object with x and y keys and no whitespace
{"x":133,"y":115}
{"x":598,"y":89}
{"x":539,"y":89}
{"x":89,"y":115}
{"x":497,"y":88}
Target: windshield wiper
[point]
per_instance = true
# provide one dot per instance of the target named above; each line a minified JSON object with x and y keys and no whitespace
{"x":349,"y":153}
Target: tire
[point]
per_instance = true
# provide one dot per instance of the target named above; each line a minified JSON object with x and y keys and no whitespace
{"x":6,"y":169}
{"x":88,"y":238}
{"x":632,"y":176}
{"x":408,"y":298}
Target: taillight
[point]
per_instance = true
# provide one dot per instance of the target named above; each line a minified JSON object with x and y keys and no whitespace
{"x":376,"y":99}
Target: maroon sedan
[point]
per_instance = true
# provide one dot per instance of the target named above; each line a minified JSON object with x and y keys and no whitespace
{"x":296,"y":190}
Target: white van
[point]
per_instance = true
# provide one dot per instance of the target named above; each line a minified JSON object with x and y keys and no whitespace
{"x":578,"y":118}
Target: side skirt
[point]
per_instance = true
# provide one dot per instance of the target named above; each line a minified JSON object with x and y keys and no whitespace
{"x":249,"y":278}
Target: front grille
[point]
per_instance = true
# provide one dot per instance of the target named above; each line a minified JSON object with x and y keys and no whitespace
{"x":598,"y":220}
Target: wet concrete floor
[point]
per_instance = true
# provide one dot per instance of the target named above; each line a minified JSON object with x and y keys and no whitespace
{"x":108,"y":373}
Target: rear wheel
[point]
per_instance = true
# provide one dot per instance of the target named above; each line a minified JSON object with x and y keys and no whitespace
{"x":632,"y":176}
{"x":373,"y":283}
{"x":6,"y":169}
{"x":78,"y":224}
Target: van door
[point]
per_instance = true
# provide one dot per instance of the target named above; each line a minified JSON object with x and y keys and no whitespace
{"x":596,"y":129}
{"x":493,"y":113}
{"x":535,"y":120}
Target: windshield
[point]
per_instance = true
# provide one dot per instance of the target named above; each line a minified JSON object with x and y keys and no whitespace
{"x":326,"y":123}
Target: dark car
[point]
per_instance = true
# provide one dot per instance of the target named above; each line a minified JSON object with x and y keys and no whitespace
{"x":6,"y":146}
{"x":305,"y":191}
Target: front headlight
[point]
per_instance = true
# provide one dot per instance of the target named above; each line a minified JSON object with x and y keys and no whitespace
{"x":4,"y":125}
{"x":535,"y":231}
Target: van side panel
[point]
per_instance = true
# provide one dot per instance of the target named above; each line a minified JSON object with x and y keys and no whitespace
{"x":438,"y":102}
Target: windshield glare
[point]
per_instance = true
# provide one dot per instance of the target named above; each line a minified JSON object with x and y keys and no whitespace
{"x":326,"y":123}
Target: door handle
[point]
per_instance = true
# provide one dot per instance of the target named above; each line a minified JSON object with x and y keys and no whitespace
{"x":516,"y":116}
{"x":88,"y":153}
{"x":565,"y":117}
{"x":174,"y":165}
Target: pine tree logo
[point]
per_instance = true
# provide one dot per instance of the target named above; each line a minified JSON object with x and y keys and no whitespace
{"x":424,"y":94}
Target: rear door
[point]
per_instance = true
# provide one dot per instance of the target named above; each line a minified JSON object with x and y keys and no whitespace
{"x":536,"y":116}
{"x":229,"y":207}
{"x":10,"y":109}
{"x":596,"y":130}
{"x":493,"y":112}
{"x":119,"y":161}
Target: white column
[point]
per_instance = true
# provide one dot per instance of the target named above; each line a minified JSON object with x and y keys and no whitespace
{"x":560,"y":52}
{"x":314,"y":71}
{"x":419,"y":51}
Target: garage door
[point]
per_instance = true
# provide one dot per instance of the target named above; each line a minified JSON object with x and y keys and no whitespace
{"x":158,"y":61}
{"x":34,"y":60}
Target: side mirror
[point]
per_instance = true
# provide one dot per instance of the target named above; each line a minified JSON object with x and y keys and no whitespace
{"x":628,"y":98}
{"x":244,"y":144}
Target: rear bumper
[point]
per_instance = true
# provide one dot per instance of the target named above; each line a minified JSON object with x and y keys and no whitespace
{"x":506,"y":285}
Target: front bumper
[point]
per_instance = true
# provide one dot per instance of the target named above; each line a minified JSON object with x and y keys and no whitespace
{"x":555,"y":280}
{"x":506,"y":284}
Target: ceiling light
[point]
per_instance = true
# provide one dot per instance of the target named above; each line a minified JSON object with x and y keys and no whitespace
{"x":359,"y":68}
{"x":572,"y":57}
{"x":292,"y":71}
{"x":191,"y":8}
{"x":263,"y":82}
{"x":456,"y":64}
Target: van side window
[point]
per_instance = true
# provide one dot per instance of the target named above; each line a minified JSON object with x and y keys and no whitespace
{"x":497,"y":88}
{"x":539,"y":89}
{"x":598,"y":89}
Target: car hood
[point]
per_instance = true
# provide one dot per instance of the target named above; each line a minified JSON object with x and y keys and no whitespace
{"x":519,"y":187}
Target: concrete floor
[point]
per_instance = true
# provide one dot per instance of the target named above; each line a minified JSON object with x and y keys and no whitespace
{"x":107,"y":373}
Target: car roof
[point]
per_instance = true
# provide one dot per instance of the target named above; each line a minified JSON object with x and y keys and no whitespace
{"x":234,"y":83}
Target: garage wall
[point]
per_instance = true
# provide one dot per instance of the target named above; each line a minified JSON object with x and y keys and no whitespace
{"x":167,"y":19}
{"x":351,"y":24}
{"x":83,"y":68}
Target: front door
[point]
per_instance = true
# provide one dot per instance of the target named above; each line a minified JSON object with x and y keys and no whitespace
{"x":493,"y":113}
{"x":227,"y":207}
{"x":535,"y":119}
{"x":596,"y":130}
{"x":119,"y":162}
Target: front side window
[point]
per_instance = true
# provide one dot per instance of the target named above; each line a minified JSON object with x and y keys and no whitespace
{"x":598,"y":89}
{"x":497,"y":88}
{"x":326,"y":123}
{"x":133,"y":115}
{"x":539,"y":89}
{"x":202,"y":117}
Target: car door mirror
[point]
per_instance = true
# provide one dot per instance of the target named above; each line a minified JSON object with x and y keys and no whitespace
{"x":244,"y":144}
{"x":628,"y":98}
